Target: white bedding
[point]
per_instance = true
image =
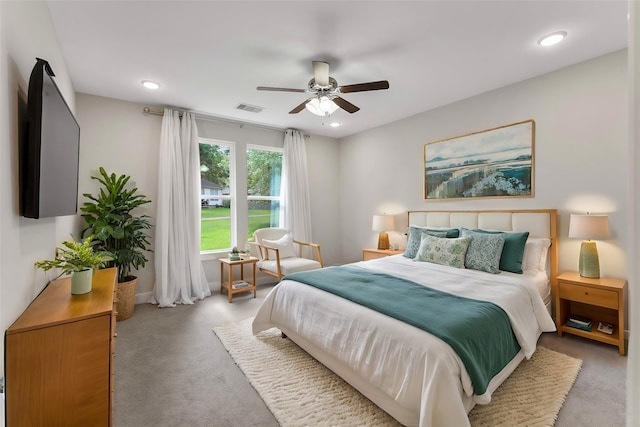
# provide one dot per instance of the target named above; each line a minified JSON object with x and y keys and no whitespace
{"x":411,"y":374}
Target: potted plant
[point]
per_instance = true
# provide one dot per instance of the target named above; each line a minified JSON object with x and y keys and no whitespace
{"x":116,"y":229}
{"x":235,"y":254}
{"x":78,"y":260}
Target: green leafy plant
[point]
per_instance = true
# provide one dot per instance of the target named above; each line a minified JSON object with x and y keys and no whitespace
{"x":114,"y":227}
{"x":76,"y":256}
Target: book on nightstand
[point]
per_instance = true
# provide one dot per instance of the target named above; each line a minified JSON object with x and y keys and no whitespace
{"x":582,"y":326}
{"x":239,"y":284}
{"x":580,"y":320}
{"x":607,"y":328}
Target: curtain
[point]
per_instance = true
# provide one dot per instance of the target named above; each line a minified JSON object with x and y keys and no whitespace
{"x":180,"y":277}
{"x":295,"y":208}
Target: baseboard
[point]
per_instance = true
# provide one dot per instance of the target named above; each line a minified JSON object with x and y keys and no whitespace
{"x":145,"y":297}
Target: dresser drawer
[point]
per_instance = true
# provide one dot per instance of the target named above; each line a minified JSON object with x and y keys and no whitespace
{"x":588,"y":295}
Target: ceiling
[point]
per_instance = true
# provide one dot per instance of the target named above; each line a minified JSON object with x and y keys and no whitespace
{"x":209,"y":56}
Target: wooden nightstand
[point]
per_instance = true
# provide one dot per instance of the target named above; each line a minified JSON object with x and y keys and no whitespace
{"x":599,"y":299}
{"x":378,"y":253}
{"x":238,"y":286}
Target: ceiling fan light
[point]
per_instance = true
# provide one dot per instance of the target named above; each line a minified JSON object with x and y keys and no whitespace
{"x":321,"y":107}
{"x":326,"y":104}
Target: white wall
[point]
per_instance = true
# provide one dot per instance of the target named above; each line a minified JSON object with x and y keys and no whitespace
{"x":580,"y":157}
{"x":116,"y":135}
{"x":26,"y":33}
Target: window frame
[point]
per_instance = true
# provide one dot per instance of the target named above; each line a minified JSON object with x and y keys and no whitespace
{"x":238,"y":197}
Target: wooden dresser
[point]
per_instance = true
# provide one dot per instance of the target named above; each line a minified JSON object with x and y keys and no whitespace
{"x":59,"y":357}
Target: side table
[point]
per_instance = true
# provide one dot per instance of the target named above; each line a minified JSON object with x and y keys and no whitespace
{"x":599,"y":299}
{"x":237,"y":286}
{"x":368,"y":254}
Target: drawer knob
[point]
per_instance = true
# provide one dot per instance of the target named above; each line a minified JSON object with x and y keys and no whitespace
{"x":586,"y":293}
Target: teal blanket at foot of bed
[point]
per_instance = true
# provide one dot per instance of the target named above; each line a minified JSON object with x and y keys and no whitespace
{"x":479,"y":331}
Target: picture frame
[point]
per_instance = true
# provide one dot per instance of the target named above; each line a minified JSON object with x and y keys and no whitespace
{"x":492,"y":163}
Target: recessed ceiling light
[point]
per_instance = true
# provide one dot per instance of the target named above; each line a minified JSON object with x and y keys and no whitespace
{"x":150,"y":85}
{"x":334,"y":124}
{"x":553,"y":38}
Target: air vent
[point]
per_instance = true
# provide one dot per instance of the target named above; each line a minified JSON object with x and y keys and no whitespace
{"x":250,"y":108}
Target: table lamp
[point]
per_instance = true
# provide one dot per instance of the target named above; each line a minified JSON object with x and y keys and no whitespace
{"x":383,"y":223}
{"x":589,"y":227}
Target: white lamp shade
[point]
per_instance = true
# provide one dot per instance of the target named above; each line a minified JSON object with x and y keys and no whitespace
{"x":589,"y":227}
{"x":383,"y":223}
{"x":321,"y":107}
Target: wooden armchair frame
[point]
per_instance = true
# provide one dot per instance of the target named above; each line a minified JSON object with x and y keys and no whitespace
{"x":266,"y":253}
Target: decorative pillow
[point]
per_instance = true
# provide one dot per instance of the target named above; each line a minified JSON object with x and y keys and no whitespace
{"x":443,"y":251}
{"x":484,"y":251}
{"x":415,"y":237}
{"x":512,"y":251}
{"x":535,"y":254}
{"x":284,"y":244}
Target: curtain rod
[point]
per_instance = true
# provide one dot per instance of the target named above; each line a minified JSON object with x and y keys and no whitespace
{"x":148,"y":110}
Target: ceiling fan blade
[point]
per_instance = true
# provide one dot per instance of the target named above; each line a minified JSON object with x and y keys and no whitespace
{"x":363,"y":87}
{"x":300,"y":107}
{"x":321,"y":73}
{"x":280,"y":89}
{"x":345,"y":105}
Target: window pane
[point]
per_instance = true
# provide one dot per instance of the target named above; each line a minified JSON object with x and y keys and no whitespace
{"x":263,"y":214}
{"x":264,"y":168}
{"x":263,"y":172}
{"x":215,"y":225}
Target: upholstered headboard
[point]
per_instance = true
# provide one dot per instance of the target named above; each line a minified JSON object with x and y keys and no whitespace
{"x":538,"y":222}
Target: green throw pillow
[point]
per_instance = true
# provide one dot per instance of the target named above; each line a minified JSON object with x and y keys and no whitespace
{"x":512,"y":251}
{"x":415,"y":237}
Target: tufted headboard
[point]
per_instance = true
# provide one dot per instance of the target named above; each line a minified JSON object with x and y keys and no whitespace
{"x":538,"y":222}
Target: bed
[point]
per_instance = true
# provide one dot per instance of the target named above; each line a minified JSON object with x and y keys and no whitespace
{"x":412,"y":368}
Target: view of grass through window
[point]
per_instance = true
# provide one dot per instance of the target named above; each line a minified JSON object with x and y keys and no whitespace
{"x":264,"y":167}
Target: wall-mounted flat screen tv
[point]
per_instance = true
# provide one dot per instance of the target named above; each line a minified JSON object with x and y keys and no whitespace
{"x":50,"y":152}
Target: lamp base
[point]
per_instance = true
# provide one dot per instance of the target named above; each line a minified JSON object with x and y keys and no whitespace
{"x":589,"y":264}
{"x":383,"y":240}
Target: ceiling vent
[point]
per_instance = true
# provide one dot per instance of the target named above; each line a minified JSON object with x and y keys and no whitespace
{"x":250,"y":108}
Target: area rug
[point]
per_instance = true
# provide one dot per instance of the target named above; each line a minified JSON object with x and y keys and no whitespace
{"x":300,"y":391}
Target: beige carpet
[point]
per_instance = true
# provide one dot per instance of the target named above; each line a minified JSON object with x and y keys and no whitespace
{"x":300,"y":391}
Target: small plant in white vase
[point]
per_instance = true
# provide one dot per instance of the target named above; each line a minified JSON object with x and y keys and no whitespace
{"x":78,"y":260}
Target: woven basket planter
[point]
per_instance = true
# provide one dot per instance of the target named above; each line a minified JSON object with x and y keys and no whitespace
{"x":125,"y":299}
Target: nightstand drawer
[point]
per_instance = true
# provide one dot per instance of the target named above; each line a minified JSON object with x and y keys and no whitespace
{"x":587,"y":295}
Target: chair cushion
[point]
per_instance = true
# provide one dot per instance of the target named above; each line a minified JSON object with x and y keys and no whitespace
{"x":289,"y":265}
{"x":284,"y":244}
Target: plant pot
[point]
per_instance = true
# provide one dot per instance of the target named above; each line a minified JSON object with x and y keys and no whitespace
{"x":125,"y":298}
{"x":81,"y":281}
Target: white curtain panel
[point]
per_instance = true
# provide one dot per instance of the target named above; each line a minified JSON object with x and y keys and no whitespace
{"x":179,"y":275}
{"x":295,"y":207}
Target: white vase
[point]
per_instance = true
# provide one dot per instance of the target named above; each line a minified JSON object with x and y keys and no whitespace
{"x":81,"y":281}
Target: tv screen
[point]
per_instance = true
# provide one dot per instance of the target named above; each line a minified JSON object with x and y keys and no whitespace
{"x":50,"y":153}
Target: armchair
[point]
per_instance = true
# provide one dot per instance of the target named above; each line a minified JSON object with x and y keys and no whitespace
{"x":279,"y":254}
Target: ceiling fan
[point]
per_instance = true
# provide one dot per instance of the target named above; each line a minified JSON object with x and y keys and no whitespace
{"x":326,"y":92}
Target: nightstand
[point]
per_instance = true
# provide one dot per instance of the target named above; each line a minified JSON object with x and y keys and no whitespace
{"x":238,"y":286}
{"x":368,"y":254}
{"x":601,"y":300}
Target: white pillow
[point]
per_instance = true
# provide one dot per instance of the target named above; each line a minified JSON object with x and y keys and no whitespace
{"x":535,"y":254}
{"x":284,"y":244}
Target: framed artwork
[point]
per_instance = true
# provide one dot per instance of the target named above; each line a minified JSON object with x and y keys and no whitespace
{"x":491,"y":163}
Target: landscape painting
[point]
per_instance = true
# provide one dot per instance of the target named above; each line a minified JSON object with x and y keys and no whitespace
{"x":492,"y":163}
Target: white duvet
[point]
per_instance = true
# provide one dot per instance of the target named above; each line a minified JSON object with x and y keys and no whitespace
{"x":414,"y":376}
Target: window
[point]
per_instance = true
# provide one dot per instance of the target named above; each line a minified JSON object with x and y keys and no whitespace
{"x":238,"y":193}
{"x":216,"y":194}
{"x":264,"y":169}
